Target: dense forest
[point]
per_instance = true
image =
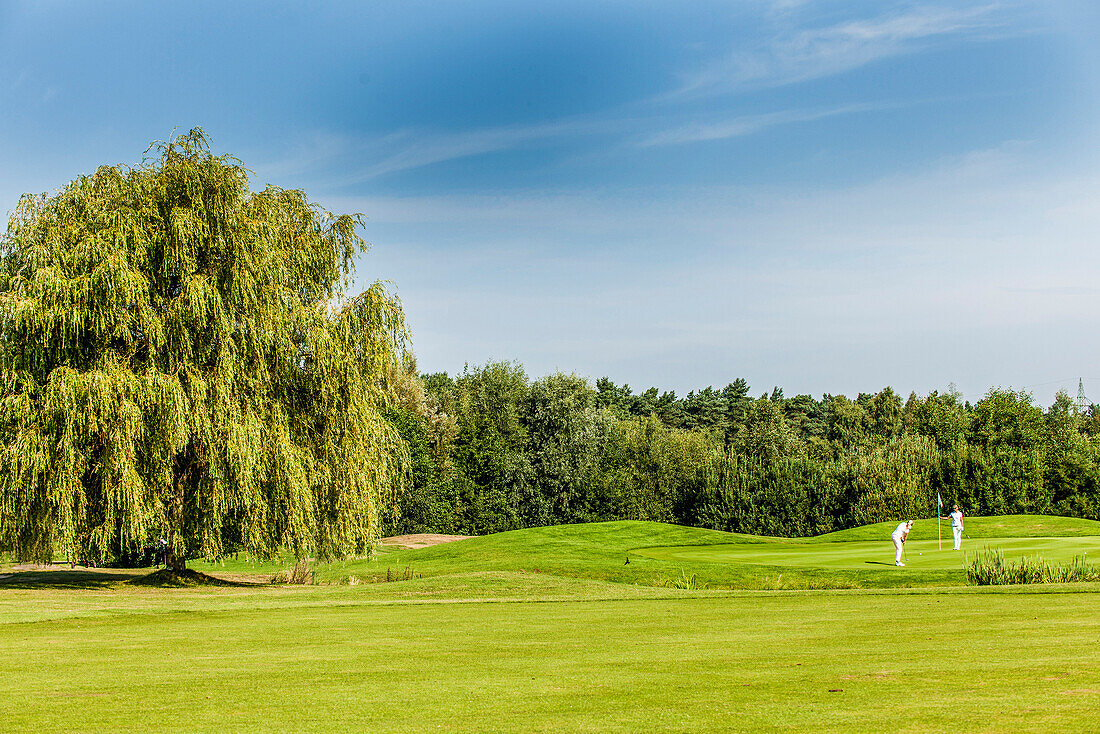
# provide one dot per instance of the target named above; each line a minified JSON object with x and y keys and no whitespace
{"x":492,"y":450}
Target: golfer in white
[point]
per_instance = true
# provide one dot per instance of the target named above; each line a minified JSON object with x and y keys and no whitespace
{"x":901,"y":532}
{"x":956,"y":526}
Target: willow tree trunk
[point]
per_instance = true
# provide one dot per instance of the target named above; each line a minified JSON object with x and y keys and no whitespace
{"x":175,"y":553}
{"x":174,"y":562}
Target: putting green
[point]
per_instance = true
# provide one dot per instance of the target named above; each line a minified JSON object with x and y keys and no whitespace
{"x":871,"y":555}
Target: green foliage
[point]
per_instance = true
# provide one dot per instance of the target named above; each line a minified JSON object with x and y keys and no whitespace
{"x":565,"y":431}
{"x":766,"y":434}
{"x":784,"y":496}
{"x":170,"y":366}
{"x":430,"y":502}
{"x":940,"y":417}
{"x":847,"y":423}
{"x":735,"y":396}
{"x":557,"y":451}
{"x":649,"y":471}
{"x":887,"y":481}
{"x":1005,"y":419}
{"x":493,"y":471}
{"x":884,"y":414}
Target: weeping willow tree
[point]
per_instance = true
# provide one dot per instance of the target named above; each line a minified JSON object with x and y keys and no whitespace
{"x":172,"y":365}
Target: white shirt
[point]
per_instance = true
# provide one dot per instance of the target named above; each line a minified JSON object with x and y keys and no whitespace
{"x":898,"y":531}
{"x":956,"y":519}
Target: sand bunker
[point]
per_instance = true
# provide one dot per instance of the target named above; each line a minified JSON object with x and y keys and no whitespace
{"x":421,"y":540}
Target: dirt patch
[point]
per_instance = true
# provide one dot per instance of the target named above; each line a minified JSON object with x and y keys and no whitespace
{"x":421,"y":540}
{"x":1082,"y":692}
{"x":245,"y":579}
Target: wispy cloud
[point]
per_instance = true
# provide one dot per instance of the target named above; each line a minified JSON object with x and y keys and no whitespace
{"x":410,"y":149}
{"x":414,"y":149}
{"x":748,"y":125}
{"x":801,"y":54}
{"x":795,"y":54}
{"x":372,"y":156}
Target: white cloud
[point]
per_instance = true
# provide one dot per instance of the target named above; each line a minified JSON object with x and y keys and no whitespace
{"x":801,"y":54}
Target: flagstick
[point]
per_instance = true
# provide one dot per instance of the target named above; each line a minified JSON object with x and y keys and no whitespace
{"x":939,"y":516}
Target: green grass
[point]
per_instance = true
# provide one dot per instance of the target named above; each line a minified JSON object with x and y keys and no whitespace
{"x":549,"y":630}
{"x":343,"y":659}
{"x":978,"y":528}
{"x":857,"y":558}
{"x":920,"y":555}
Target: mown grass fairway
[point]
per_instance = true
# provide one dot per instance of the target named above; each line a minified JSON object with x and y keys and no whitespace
{"x":473,"y":647}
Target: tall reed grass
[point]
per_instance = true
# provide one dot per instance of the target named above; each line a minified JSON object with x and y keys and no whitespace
{"x":685,"y":581}
{"x":989,"y":568}
{"x":300,"y":574}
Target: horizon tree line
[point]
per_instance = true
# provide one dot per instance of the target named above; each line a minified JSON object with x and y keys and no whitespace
{"x":492,"y":450}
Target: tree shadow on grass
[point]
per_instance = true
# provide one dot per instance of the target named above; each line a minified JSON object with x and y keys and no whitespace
{"x":65,"y":578}
{"x":60,"y":577}
{"x":185,"y":578}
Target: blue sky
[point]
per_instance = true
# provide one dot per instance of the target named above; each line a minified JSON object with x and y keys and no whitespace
{"x":827,"y":196}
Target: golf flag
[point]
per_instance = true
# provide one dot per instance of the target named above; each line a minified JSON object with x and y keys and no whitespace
{"x":939,"y":514}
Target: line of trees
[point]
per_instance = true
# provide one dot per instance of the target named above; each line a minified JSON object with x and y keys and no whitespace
{"x":492,"y":450}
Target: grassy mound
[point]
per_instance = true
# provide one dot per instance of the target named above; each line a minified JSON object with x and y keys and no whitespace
{"x":619,"y":552}
{"x":656,"y":554}
{"x":167,"y":577}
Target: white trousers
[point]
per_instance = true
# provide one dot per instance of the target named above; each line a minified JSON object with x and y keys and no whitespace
{"x":958,"y":533}
{"x":897,"y":549}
